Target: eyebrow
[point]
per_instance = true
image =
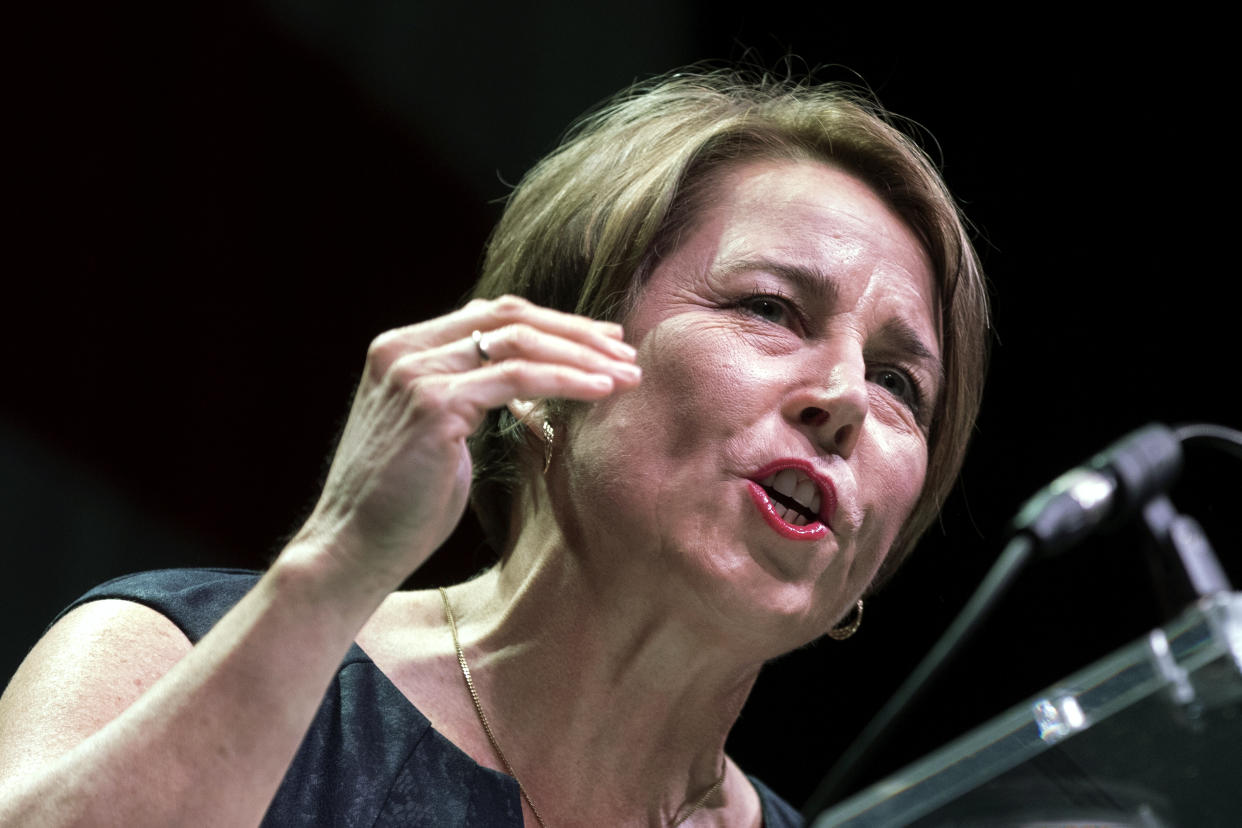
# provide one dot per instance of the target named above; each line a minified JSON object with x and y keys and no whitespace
{"x":809,"y":280}
{"x":899,"y":332}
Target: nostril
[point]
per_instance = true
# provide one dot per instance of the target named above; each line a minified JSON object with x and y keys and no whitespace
{"x":814,"y":416}
{"x":843,"y":435}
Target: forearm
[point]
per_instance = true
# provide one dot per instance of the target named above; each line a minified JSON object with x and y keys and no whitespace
{"x":210,"y":741}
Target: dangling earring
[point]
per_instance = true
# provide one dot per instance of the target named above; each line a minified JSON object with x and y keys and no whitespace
{"x":548,"y":436}
{"x":849,"y":625}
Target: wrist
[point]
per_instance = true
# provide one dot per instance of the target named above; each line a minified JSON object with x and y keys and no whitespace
{"x":327,"y":573}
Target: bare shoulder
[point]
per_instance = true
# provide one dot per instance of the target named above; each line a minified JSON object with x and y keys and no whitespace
{"x":744,"y":806}
{"x":408,"y":639}
{"x":89,"y":667}
{"x":409,"y":642}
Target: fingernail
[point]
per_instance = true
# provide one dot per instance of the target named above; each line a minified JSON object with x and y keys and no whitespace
{"x":602,"y":382}
{"x":626,"y":371}
{"x":624,"y":349}
{"x":613,"y":329}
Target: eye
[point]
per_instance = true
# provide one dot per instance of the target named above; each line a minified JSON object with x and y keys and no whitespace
{"x":774,"y":309}
{"x":901,"y":384}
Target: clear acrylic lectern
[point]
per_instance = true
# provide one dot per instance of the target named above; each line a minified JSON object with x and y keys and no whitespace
{"x":1149,"y":737}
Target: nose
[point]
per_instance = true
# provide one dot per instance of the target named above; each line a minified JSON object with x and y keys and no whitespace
{"x":832,"y":408}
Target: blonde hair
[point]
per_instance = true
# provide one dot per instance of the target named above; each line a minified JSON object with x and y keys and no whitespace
{"x":588,"y":223}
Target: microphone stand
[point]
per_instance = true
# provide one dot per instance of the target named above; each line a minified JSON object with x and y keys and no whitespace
{"x":1145,"y":462}
{"x":878,"y":731}
{"x":1181,"y":537}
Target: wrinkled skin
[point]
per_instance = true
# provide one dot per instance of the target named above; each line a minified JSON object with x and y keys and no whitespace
{"x":796,"y":320}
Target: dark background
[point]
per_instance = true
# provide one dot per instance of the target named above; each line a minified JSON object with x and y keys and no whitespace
{"x":215,"y":206}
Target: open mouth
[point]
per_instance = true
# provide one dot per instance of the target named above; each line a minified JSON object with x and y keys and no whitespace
{"x":793,"y":511}
{"x":795,"y":496}
{"x":794,"y":499}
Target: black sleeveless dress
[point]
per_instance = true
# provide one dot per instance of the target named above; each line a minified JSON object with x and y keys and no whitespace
{"x":370,"y":757}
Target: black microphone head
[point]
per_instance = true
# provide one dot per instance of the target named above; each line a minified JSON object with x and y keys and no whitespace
{"x":1102,"y":492}
{"x":1143,"y":464}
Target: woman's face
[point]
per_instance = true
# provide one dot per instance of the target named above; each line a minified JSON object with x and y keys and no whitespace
{"x":778,"y":440}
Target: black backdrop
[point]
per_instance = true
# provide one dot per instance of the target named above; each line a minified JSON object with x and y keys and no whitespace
{"x":214,"y":207}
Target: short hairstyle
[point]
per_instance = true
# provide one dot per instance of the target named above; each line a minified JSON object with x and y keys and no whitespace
{"x":587,"y":225}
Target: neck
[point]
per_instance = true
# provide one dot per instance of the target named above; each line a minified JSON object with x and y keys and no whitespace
{"x":605,"y":698}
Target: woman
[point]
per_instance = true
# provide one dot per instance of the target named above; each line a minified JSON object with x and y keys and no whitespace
{"x":677,"y":498}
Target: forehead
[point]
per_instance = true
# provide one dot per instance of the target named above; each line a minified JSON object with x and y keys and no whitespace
{"x":816,"y":223}
{"x":808,"y":208}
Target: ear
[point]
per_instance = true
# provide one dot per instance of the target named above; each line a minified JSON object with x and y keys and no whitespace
{"x":529,"y":413}
{"x":533,"y":414}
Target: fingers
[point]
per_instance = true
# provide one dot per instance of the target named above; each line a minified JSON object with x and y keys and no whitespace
{"x":523,"y":342}
{"x":524,"y":363}
{"x":544,"y":353}
{"x":489,"y":315}
{"x":469,"y":395}
{"x":401,"y":474}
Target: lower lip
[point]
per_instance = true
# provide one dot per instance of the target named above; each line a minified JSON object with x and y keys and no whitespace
{"x":809,"y":532}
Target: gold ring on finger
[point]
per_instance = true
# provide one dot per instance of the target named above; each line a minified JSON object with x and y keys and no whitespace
{"x":480,"y":345}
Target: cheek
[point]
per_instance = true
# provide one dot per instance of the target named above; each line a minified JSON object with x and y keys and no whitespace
{"x":906,"y":478}
{"x":897,"y":481}
{"x":694,"y":383}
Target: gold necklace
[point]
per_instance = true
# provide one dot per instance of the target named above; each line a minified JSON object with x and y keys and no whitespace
{"x":491,"y":737}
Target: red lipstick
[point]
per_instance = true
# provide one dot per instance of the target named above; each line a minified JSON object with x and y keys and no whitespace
{"x":813,"y":530}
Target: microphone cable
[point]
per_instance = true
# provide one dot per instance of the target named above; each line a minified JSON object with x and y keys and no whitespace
{"x":1105,"y":490}
{"x":1014,"y":557}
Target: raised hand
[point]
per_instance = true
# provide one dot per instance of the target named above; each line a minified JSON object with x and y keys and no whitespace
{"x":400,"y":477}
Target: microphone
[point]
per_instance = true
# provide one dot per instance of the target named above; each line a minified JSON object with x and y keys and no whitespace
{"x":1102,"y":492}
{"x":1129,"y":476}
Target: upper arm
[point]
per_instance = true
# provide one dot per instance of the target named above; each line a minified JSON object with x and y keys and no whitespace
{"x":88,"y":668}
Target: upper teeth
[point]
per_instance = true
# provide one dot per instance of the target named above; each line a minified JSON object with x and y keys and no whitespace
{"x":795,"y":484}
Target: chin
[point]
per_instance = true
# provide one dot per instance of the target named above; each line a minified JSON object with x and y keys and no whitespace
{"x":769,"y":614}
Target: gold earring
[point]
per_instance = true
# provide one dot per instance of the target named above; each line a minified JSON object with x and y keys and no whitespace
{"x":848,"y":625}
{"x":548,"y":436}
